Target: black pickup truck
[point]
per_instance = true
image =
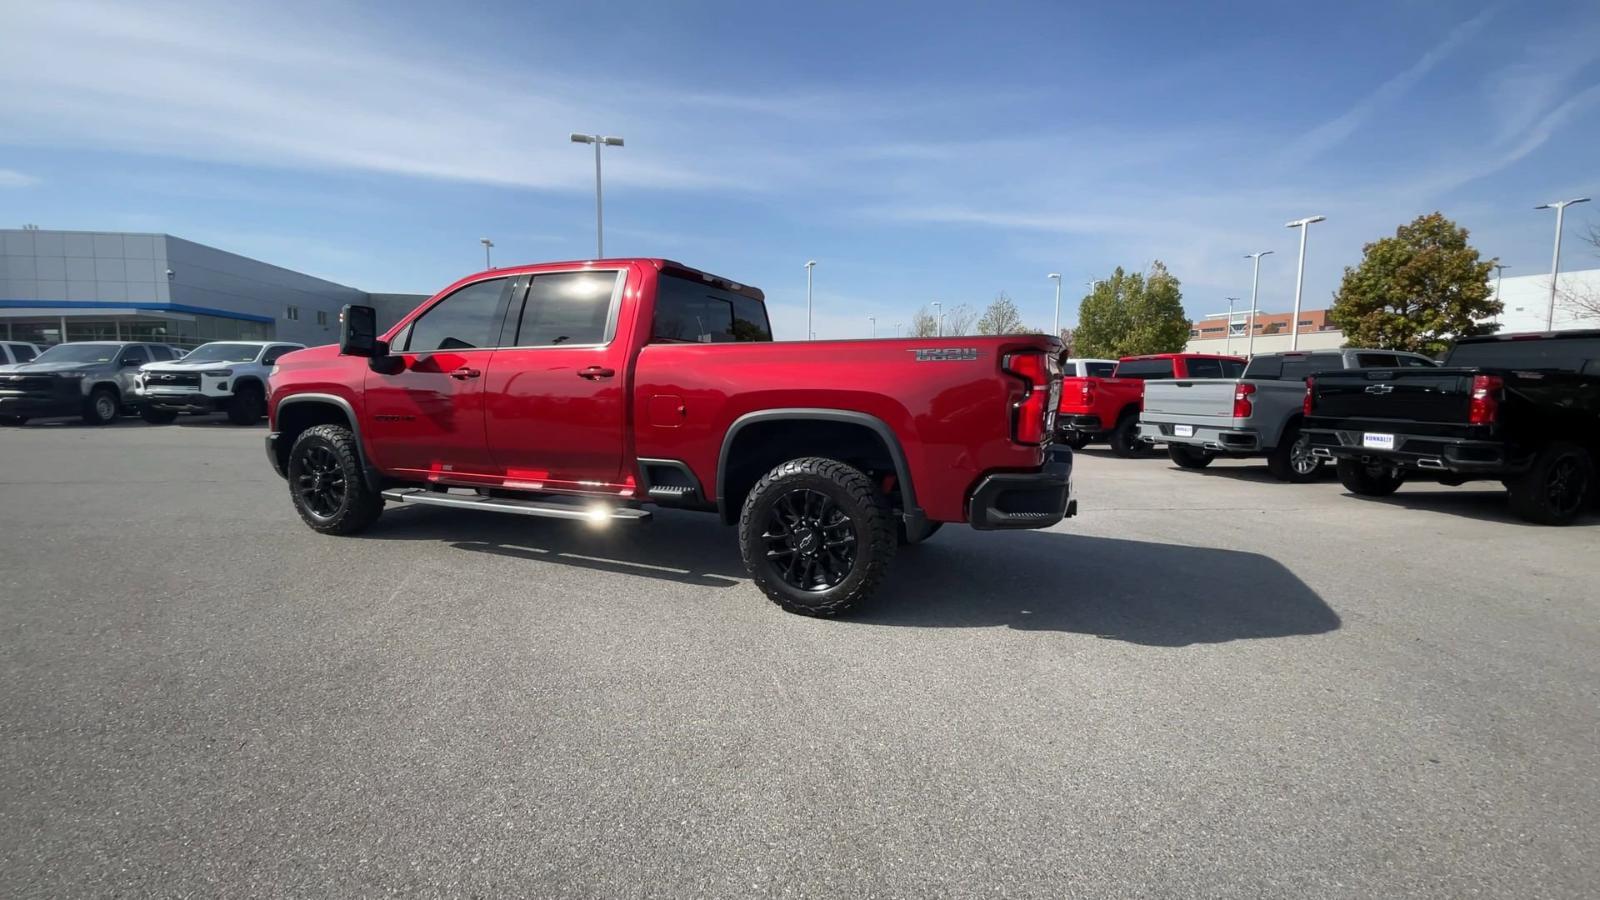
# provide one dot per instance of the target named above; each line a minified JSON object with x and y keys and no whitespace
{"x":1523,"y":409}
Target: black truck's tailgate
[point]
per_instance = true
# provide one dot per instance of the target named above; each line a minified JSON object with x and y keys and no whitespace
{"x":1416,"y":395}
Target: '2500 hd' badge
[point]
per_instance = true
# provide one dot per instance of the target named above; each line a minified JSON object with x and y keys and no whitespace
{"x":947,"y":354}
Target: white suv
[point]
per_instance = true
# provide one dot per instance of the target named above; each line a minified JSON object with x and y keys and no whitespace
{"x":17,"y":352}
{"x":223,"y":375}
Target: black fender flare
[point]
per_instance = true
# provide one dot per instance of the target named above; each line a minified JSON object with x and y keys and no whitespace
{"x":369,"y":472}
{"x":902,"y":471}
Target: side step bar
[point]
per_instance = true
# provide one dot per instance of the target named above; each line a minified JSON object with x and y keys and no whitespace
{"x":598,"y":512}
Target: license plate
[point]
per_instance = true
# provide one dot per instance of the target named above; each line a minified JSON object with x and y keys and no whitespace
{"x":1377,"y":441}
{"x":1183,"y":430}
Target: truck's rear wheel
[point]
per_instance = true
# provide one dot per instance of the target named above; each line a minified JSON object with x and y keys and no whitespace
{"x":326,"y":482}
{"x":158,"y":416}
{"x":1188,"y":457}
{"x":1556,"y":488}
{"x":1125,"y":437}
{"x":1291,"y":460}
{"x":1375,"y":480}
{"x":246,"y":404}
{"x":101,"y":408}
{"x":1077,"y":440}
{"x":816,"y":536}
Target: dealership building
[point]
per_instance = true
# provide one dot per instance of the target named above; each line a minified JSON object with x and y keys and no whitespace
{"x":1526,"y":301}
{"x":60,"y":286}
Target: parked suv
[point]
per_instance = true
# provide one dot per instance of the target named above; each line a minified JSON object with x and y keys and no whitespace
{"x":584,"y":390}
{"x":91,"y":379}
{"x":17,"y":352}
{"x":1258,"y":414}
{"x":228,"y":376}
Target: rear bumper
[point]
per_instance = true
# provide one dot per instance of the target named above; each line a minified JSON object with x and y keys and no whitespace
{"x":1208,"y":437}
{"x":1025,"y":499}
{"x":1078,"y":423}
{"x":1426,"y":453}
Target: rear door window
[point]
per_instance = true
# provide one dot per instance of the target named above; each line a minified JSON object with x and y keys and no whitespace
{"x":1144,"y":368}
{"x":1099,"y":369}
{"x":135,"y":355}
{"x":568,"y":309}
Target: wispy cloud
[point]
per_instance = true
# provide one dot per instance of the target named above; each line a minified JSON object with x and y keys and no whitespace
{"x":1336,"y":130}
{"x":11,"y":178}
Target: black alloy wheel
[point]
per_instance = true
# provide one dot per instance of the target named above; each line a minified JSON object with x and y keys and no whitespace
{"x":811,"y":543}
{"x":320,"y":481}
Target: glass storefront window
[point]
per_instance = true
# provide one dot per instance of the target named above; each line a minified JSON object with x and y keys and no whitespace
{"x":188,"y":332}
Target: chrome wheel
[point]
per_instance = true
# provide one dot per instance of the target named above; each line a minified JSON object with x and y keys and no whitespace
{"x":811,"y":543}
{"x":1300,"y":458}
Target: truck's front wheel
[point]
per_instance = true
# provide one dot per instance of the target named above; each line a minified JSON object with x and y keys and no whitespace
{"x":1377,"y":480}
{"x":326,"y":482}
{"x":1187,"y":457}
{"x":816,"y":536}
{"x":1125,"y":440}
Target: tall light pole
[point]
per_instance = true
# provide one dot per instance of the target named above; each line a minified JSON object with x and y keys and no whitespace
{"x":487,"y":244}
{"x":1255,"y":282}
{"x":873,"y":322}
{"x":1057,"y":276}
{"x":810,"y":264}
{"x":940,"y":307}
{"x":599,"y":208}
{"x":1499,"y":276}
{"x":1560,"y":206}
{"x":1228,"y":347}
{"x":1299,"y":276}
{"x":897,"y":329}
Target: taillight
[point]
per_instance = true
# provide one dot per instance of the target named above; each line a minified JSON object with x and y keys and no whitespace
{"x":1088,"y":392}
{"x":1030,"y":416}
{"x":1311,"y":386}
{"x":1241,"y":400}
{"x":1485,"y":399}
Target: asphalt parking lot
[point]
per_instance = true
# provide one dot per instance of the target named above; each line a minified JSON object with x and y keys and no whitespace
{"x":1208,"y":684}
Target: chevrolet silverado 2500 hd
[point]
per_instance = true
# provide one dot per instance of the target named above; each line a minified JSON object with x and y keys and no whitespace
{"x":585,"y":390}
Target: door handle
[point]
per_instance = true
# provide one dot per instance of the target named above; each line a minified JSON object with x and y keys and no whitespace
{"x":595,"y":373}
{"x":465,"y":372}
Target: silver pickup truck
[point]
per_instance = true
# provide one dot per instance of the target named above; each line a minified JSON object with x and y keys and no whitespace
{"x":1257,"y":414}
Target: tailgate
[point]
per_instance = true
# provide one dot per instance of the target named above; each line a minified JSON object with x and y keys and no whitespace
{"x":1416,"y":395}
{"x":1204,"y":397}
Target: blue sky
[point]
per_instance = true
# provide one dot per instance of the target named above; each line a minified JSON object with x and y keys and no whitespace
{"x":930,"y":151}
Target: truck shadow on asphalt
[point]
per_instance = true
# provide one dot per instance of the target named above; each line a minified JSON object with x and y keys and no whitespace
{"x":1484,"y":505}
{"x":1141,"y":592}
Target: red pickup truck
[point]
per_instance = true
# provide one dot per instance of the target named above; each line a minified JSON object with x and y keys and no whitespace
{"x":586,"y":390}
{"x":1107,"y":409}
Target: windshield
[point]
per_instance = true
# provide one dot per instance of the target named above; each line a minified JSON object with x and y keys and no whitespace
{"x":221,"y":352}
{"x":1563,"y":354}
{"x":80,"y":353}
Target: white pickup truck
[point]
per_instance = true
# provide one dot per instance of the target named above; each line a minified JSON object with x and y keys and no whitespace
{"x":230,"y":376}
{"x":1257,"y":414}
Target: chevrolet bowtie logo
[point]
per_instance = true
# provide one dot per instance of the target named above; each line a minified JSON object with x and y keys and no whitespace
{"x":1380,"y":388}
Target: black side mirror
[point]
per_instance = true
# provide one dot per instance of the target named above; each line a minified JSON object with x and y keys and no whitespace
{"x":358,"y":331}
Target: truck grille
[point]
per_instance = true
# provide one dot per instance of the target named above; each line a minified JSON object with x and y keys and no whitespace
{"x":37,"y":383}
{"x":172,"y":379}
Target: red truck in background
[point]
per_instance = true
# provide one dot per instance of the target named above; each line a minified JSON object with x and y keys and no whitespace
{"x":586,"y":390}
{"x":1107,"y":409}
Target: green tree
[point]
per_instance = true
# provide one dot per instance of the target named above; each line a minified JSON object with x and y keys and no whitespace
{"x":1001,"y":317}
{"x":1129,"y":314}
{"x":1416,"y":291}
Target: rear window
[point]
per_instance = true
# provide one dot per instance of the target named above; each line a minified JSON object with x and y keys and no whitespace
{"x":1561,"y":354}
{"x":1099,"y":370}
{"x":1144,"y":368}
{"x":1232,"y":368}
{"x":1205,"y":368}
{"x":695,"y":313}
{"x":1292,"y":368}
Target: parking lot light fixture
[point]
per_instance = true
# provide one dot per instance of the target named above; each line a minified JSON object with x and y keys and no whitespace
{"x":487,"y":246}
{"x":1560,"y":206}
{"x":598,"y":141}
{"x":1255,"y":283}
{"x":1300,"y":275}
{"x":810,"y":265}
{"x":1056,"y":276}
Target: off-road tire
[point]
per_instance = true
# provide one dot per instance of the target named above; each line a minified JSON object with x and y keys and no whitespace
{"x":1369,"y":481}
{"x":333,"y":448}
{"x":1187,"y":457}
{"x":852,"y":493}
{"x":1124,"y":438}
{"x":101,"y":407}
{"x":13,"y":420}
{"x":246,"y":405}
{"x":1557,"y":488}
{"x":158,"y":416}
{"x":1288,"y":460}
{"x":1076,"y":440}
